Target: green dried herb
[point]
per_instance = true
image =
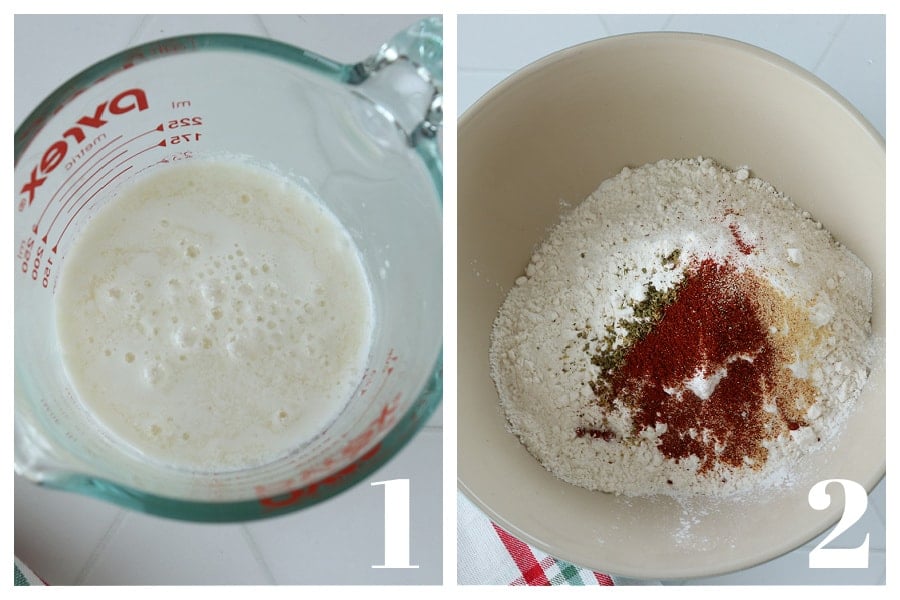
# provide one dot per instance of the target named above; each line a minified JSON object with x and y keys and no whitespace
{"x":647,"y":313}
{"x":672,"y":258}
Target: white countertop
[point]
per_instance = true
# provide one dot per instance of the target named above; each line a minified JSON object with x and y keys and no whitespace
{"x":847,"y":52}
{"x":70,"y":539}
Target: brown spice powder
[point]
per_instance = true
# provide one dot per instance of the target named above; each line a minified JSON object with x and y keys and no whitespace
{"x":718,"y":328}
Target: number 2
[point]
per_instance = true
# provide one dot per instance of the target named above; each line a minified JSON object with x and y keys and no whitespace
{"x":855,"y":502}
{"x":396,"y":524}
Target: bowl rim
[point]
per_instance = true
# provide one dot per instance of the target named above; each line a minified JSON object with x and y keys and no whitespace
{"x":769,"y":56}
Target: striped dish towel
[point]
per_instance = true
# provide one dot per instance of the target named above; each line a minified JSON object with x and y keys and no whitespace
{"x":24,"y":575}
{"x":488,"y":555}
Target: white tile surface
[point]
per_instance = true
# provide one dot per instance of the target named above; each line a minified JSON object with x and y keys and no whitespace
{"x":146,"y":550}
{"x":619,"y":24}
{"x":854,"y":65}
{"x":508,"y":42}
{"x":48,"y":537}
{"x":799,"y":38}
{"x":154,"y":27}
{"x":847,"y":52}
{"x":51,"y":49}
{"x":69,"y":539}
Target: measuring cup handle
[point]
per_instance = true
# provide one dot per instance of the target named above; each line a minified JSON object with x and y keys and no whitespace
{"x":421,"y":46}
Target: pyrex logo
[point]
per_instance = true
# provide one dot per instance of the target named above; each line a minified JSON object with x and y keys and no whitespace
{"x":55,"y":154}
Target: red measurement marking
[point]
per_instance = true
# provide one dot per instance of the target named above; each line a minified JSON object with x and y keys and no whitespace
{"x":88,"y":173}
{"x":37,"y":224}
{"x":387,"y":369}
{"x":159,"y":162}
{"x":94,"y":181}
{"x":103,"y":166}
{"x":268,"y":495}
{"x":72,"y":196}
{"x":116,"y":176}
{"x":56,"y":153}
{"x":162,"y":144}
{"x":270,"y":500}
{"x":367,"y":381}
{"x":89,"y":179}
{"x":387,"y":417}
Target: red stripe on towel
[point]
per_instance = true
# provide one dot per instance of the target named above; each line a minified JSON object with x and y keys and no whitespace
{"x":524,"y":558}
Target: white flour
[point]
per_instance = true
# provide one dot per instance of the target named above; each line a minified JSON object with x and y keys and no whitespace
{"x":636,"y":238}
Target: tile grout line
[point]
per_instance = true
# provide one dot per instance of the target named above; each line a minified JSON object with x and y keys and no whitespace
{"x":132,"y":41}
{"x":111,"y":531}
{"x":257,"y":555}
{"x":837,"y":33}
{"x":607,"y":30}
{"x":666,"y":23}
{"x":262,"y":24}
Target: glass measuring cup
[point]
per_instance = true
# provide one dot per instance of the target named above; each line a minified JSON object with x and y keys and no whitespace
{"x":361,"y":137}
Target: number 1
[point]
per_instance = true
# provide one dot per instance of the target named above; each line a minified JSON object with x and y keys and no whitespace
{"x":396,"y":525}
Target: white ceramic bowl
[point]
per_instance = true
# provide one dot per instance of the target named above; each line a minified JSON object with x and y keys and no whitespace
{"x":552,"y":132}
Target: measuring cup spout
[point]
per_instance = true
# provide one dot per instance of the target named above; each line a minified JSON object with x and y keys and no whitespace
{"x":405,"y":79}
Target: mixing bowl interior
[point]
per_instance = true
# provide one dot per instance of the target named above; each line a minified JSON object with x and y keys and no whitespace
{"x":542,"y":141}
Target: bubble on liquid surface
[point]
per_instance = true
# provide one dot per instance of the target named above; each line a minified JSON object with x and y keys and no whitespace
{"x":280,"y":418}
{"x":212,"y":291}
{"x":184,"y":337}
{"x":154,"y":373}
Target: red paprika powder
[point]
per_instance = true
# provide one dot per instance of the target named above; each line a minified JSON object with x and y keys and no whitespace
{"x":712,"y":334}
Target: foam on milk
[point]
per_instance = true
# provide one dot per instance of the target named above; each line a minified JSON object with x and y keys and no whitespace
{"x":214,"y":316}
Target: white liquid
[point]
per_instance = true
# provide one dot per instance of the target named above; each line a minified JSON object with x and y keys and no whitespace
{"x":214,"y":317}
